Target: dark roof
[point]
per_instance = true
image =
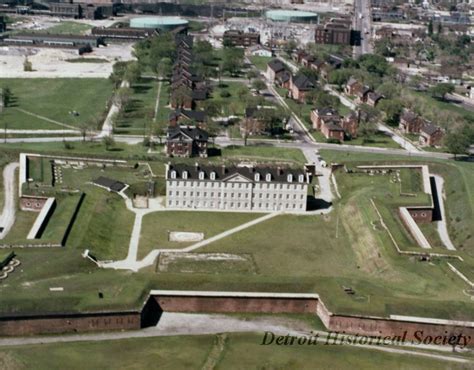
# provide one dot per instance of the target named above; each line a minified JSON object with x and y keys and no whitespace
{"x":276,"y":65}
{"x":194,"y":133}
{"x":199,"y":94}
{"x":285,"y":76}
{"x":327,"y":111}
{"x":374,"y":96}
{"x":333,"y":127}
{"x":194,"y":115}
{"x":408,"y":116}
{"x":111,"y":184}
{"x":278,"y":174}
{"x":303,"y":83}
{"x":430,"y":129}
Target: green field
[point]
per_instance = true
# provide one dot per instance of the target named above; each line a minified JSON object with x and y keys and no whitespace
{"x":157,"y":225}
{"x":38,"y":99}
{"x":233,"y":351}
{"x":137,"y":116}
{"x":68,"y":28}
{"x":260,"y":62}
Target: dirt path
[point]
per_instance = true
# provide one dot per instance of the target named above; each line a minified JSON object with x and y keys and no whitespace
{"x":46,"y":119}
{"x":108,"y":126}
{"x":7,"y":218}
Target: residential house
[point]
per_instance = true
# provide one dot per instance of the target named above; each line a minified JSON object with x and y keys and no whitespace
{"x":332,"y":130}
{"x":186,"y":141}
{"x":319,"y":115}
{"x":410,"y":122}
{"x":353,"y":86}
{"x":283,"y":79}
{"x":236,"y":188}
{"x":259,"y":51}
{"x":373,"y":98}
{"x":431,"y":135}
{"x":274,"y":68}
{"x":350,"y":124}
{"x":299,"y":86}
{"x":333,"y":126}
{"x":183,"y":116}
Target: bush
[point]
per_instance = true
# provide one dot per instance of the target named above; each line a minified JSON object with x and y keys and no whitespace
{"x":225,"y":94}
{"x":331,"y":140}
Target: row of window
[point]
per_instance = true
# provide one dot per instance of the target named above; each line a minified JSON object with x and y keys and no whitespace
{"x":257,"y":177}
{"x":235,"y":185}
{"x":234,"y":195}
{"x":233,"y":205}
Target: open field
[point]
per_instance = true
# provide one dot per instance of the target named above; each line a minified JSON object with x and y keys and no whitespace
{"x":137,"y":116}
{"x":157,"y":225}
{"x":33,"y":100}
{"x":68,"y":28}
{"x":193,"y":352}
{"x":260,"y":62}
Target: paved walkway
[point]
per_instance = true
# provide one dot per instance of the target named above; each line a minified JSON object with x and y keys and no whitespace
{"x":157,"y":104}
{"x":442,"y":225}
{"x":108,"y":126}
{"x":7,"y":219}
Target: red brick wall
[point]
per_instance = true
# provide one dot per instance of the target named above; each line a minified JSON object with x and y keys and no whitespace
{"x":69,"y":323}
{"x":236,"y":304}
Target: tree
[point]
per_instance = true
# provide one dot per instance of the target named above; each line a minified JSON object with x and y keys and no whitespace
{"x":374,"y":64}
{"x":339,"y":77}
{"x":232,"y":61}
{"x":368,"y":122}
{"x":109,"y":142}
{"x":133,"y":73}
{"x":259,"y":85}
{"x":118,"y":72}
{"x":27,"y":65}
{"x":251,"y":74}
{"x":84,"y":128}
{"x":430,"y":27}
{"x":457,"y":143}
{"x":290,"y":46}
{"x":440,"y":90}
{"x":392,"y":109}
{"x":6,"y":96}
{"x":122,"y":96}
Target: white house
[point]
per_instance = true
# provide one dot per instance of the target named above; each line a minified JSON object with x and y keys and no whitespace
{"x":259,"y":50}
{"x":236,"y":188}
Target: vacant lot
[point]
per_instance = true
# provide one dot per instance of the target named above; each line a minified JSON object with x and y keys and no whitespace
{"x":68,"y":28}
{"x":36,"y":100}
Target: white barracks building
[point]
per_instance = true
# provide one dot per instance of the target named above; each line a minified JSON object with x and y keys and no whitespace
{"x":236,"y":188}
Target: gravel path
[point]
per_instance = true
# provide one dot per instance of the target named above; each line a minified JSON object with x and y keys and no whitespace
{"x":9,"y":208}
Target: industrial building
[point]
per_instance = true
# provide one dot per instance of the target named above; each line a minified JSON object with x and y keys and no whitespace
{"x":160,"y":23}
{"x":294,"y":16}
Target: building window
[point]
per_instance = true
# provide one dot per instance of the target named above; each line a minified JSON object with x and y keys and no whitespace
{"x":201,"y":175}
{"x":173,"y":174}
{"x":213,"y":175}
{"x":289,"y":178}
{"x":301,"y":178}
{"x":268,"y":177}
{"x":185,"y":175}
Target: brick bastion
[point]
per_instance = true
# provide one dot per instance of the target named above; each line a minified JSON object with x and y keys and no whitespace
{"x":160,"y":301}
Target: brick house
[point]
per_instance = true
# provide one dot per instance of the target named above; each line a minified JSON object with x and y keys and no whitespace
{"x":431,"y":135}
{"x":283,"y":79}
{"x":350,"y":124}
{"x":410,"y":122}
{"x":299,"y":86}
{"x":186,"y":141}
{"x":353,"y":86}
{"x":332,"y":131}
{"x":274,"y":68}
{"x":181,"y":116}
{"x":319,"y":115}
{"x":373,"y":98}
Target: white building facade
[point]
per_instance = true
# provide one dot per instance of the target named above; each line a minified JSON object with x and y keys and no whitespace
{"x":264,"y":189}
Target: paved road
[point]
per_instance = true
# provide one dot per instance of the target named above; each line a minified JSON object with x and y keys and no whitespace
{"x":7,"y":218}
{"x":363,"y":22}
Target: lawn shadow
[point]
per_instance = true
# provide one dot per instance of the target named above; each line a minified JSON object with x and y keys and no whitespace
{"x":314,"y":204}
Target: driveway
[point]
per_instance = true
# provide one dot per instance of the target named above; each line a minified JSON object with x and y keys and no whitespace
{"x":7,"y":219}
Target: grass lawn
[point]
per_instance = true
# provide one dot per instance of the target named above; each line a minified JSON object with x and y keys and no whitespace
{"x":193,"y":352}
{"x":231,"y":104}
{"x":264,"y":153}
{"x":137,"y":116}
{"x":103,"y":225}
{"x":157,"y":225}
{"x":260,"y":62}
{"x":54,"y":99}
{"x":68,"y":28}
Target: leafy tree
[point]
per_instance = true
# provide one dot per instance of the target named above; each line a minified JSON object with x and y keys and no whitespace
{"x":6,"y":96}
{"x":430,"y":27}
{"x":259,"y":85}
{"x":118,"y":72}
{"x":339,"y":77}
{"x":251,"y":74}
{"x":290,"y":46}
{"x":368,"y":123}
{"x":373,"y":63}
{"x":440,"y":90}
{"x":457,"y":143}
{"x":27,"y":65}
{"x":389,"y":90}
{"x":392,"y":109}
{"x":133,"y":73}
{"x":232,"y":61}
{"x":109,"y":142}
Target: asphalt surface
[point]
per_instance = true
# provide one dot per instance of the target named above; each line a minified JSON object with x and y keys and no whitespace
{"x":7,"y":218}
